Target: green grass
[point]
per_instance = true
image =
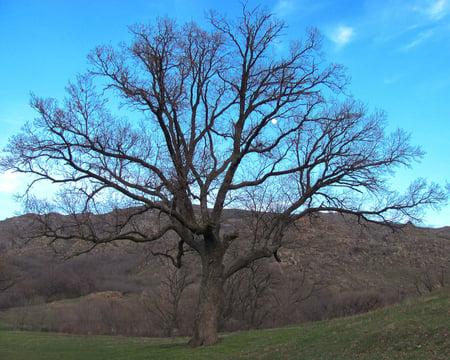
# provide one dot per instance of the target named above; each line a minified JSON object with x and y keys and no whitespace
{"x":418,"y":329}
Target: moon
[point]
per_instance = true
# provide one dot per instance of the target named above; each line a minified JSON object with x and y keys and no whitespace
{"x":274,"y":121}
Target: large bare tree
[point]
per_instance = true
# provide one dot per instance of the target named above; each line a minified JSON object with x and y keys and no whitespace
{"x":228,"y":116}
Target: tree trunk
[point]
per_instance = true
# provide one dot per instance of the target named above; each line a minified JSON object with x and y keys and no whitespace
{"x":210,"y":299}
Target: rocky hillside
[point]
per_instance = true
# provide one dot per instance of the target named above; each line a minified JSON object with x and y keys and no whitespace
{"x":330,"y":265}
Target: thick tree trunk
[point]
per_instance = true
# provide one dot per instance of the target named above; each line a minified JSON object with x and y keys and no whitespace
{"x":210,"y":300}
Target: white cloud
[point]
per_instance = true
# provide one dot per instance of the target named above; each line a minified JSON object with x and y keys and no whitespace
{"x":437,"y":9}
{"x":341,"y":35}
{"x":12,"y":184}
{"x":284,"y":7}
{"x":9,"y":182}
{"x":432,"y":9}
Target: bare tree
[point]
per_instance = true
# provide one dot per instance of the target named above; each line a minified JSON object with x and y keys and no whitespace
{"x":215,"y":115}
{"x":9,"y":274}
{"x":428,"y":277}
{"x":164,"y":301}
{"x":248,"y":295}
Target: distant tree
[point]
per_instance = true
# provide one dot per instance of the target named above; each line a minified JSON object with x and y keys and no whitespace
{"x":217,"y":117}
{"x":164,"y":301}
{"x":9,"y":273}
{"x":248,"y":296}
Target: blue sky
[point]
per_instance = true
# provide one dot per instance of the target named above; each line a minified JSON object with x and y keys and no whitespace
{"x":397,"y":53}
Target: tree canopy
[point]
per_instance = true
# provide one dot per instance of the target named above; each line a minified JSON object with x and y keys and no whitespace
{"x":226,"y":116}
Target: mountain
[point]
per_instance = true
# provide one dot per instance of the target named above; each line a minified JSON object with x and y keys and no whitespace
{"x":331,"y":265}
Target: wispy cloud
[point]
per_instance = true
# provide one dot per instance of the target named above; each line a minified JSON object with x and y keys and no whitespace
{"x":421,"y":37}
{"x":284,"y":7}
{"x":301,"y":9}
{"x":402,"y":26}
{"x":437,"y":9}
{"x":341,"y":35}
{"x":393,"y":79}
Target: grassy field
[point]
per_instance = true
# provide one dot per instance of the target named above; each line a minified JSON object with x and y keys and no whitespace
{"x":418,"y":329}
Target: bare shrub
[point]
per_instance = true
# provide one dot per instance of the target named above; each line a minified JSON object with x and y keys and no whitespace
{"x":249,"y":297}
{"x":353,"y":302}
{"x":9,"y":273}
{"x":164,"y":301}
{"x":298,"y":287}
{"x":428,"y":277}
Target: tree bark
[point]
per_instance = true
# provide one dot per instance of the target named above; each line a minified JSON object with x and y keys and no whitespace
{"x":210,"y":299}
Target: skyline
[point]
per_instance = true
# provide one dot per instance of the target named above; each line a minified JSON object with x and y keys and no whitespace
{"x":396,"y":53}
